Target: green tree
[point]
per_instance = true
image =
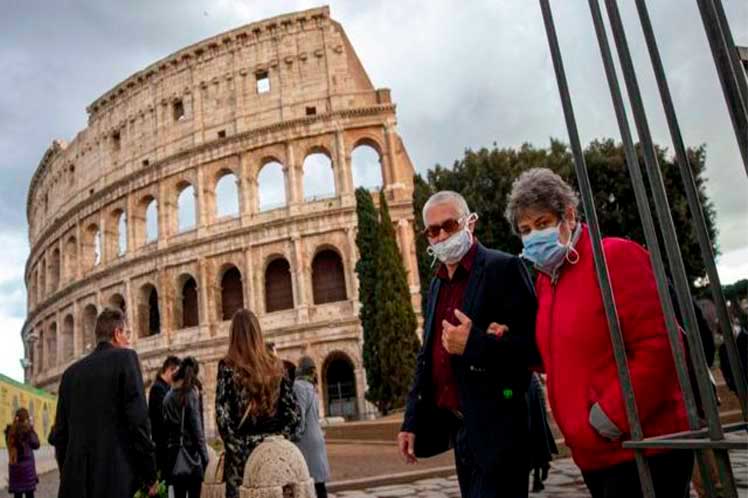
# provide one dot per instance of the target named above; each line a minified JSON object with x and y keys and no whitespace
{"x":485,"y":177}
{"x":367,"y":241}
{"x":394,"y":321}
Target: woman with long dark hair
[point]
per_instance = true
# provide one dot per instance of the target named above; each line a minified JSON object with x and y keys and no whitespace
{"x":253,"y":398}
{"x":185,"y":435}
{"x":21,"y":441}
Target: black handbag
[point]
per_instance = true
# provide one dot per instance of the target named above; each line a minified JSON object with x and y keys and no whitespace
{"x":186,"y":465}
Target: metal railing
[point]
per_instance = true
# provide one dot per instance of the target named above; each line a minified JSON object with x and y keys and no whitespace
{"x":733,"y":82}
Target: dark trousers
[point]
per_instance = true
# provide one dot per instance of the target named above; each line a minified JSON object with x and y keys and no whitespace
{"x":188,"y":489}
{"x":671,"y":474}
{"x":507,"y":480}
{"x":25,"y":494}
{"x":320,"y":489}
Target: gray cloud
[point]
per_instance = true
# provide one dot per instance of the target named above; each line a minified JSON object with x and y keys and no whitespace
{"x":462,"y":76}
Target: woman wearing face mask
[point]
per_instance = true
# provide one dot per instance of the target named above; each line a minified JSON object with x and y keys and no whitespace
{"x":574,"y":342}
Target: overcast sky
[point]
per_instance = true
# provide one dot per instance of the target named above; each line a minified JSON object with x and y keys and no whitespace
{"x":463,"y":75}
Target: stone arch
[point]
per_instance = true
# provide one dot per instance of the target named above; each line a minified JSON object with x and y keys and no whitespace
{"x":50,"y":345}
{"x":232,"y":291}
{"x":149,"y":313}
{"x":278,"y":285}
{"x":88,"y":337}
{"x":328,"y":277}
{"x":187,"y":311}
{"x":70,"y":258}
{"x":319,"y":175}
{"x":145,"y":221}
{"x":339,"y":385}
{"x":68,"y":338}
{"x":54,"y":269}
{"x":186,"y":207}
{"x":271,"y":185}
{"x":92,"y":246}
{"x":115,"y":234}
{"x":366,"y":165}
{"x":227,"y":194}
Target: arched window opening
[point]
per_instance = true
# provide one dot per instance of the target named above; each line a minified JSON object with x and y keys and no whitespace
{"x":149,"y":313}
{"x":189,"y":303}
{"x":68,"y":346}
{"x":328,"y":278}
{"x":227,"y":196}
{"x":271,"y":186}
{"x":232,"y":294}
{"x":340,"y":386}
{"x":89,"y":328}
{"x":186,"y":214}
{"x":278,"y":287}
{"x":319,"y":178}
{"x":366,"y":165}
{"x":151,"y":221}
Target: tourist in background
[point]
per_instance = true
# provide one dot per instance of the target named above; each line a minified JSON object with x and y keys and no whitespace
{"x":574,"y":340}
{"x":184,"y":430}
{"x":102,"y":432}
{"x":472,"y":371}
{"x":156,"y":396}
{"x":21,"y":441}
{"x":253,"y":398}
{"x":309,"y":437}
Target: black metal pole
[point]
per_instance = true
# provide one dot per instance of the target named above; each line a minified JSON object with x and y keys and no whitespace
{"x":732,"y":52}
{"x":736,"y":105}
{"x":650,"y":234}
{"x":667,"y":228}
{"x":738,"y":370}
{"x":601,"y":268}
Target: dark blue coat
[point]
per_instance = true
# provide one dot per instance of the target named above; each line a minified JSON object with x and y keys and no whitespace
{"x":493,"y":373}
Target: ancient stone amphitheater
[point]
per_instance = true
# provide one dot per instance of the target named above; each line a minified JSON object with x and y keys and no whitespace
{"x":218,"y":177}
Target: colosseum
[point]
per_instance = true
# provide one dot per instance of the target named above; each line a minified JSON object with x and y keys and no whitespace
{"x":218,"y":177}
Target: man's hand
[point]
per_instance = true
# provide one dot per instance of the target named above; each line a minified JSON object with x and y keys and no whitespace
{"x":497,"y":329}
{"x":406,"y":442}
{"x":454,"y":338}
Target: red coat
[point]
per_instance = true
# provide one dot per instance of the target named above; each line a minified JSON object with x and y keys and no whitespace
{"x":574,"y":342}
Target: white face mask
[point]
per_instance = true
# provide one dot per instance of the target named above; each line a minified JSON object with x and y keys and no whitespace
{"x":453,"y":249}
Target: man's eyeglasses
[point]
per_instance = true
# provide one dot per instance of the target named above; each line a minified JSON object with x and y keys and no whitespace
{"x":449,"y":226}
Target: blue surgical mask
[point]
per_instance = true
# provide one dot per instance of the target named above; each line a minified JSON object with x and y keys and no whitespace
{"x":545,"y":250}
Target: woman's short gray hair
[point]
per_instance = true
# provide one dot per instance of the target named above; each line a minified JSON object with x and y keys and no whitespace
{"x":539,"y":189}
{"x":444,"y":197}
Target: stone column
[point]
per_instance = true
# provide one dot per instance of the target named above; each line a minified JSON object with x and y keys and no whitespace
{"x":165,"y":300}
{"x":202,"y":288}
{"x":247,"y":187}
{"x":405,"y":238}
{"x":77,"y":330}
{"x":299,"y":278}
{"x":58,"y":340}
{"x":250,"y":290}
{"x":352,"y":280}
{"x":130,"y":210}
{"x":204,"y":212}
{"x":164,"y":206}
{"x":391,"y":170}
{"x":130,"y":315}
{"x":294,"y":188}
{"x":104,"y":255}
{"x":79,"y":258}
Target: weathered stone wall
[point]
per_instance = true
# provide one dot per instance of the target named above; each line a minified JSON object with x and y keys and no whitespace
{"x":186,"y":122}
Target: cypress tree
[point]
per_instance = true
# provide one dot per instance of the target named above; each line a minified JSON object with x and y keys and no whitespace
{"x":367,"y":241}
{"x":394,"y":320}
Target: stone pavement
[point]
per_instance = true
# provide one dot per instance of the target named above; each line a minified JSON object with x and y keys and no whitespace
{"x":564,"y":481}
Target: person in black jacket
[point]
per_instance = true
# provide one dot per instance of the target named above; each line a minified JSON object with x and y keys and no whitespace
{"x":102,"y":434}
{"x":472,"y":372}
{"x":156,"y":396}
{"x":183,"y":426}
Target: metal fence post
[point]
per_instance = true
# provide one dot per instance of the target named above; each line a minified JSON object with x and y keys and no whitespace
{"x":599,"y":256}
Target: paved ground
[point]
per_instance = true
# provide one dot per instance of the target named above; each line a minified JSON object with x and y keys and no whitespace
{"x":564,"y":481}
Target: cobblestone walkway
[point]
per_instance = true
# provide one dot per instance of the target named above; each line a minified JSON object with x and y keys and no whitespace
{"x":564,"y":481}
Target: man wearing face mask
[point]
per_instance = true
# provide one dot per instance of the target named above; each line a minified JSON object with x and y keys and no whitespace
{"x":574,"y":341}
{"x":472,"y":372}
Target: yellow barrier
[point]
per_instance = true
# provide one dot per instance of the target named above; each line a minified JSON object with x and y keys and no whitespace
{"x":41,"y":405}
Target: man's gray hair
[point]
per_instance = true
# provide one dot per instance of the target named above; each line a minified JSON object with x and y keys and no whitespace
{"x":444,"y":197}
{"x":539,"y":189}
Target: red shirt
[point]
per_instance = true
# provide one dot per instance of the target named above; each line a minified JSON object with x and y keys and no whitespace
{"x":451,"y":294}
